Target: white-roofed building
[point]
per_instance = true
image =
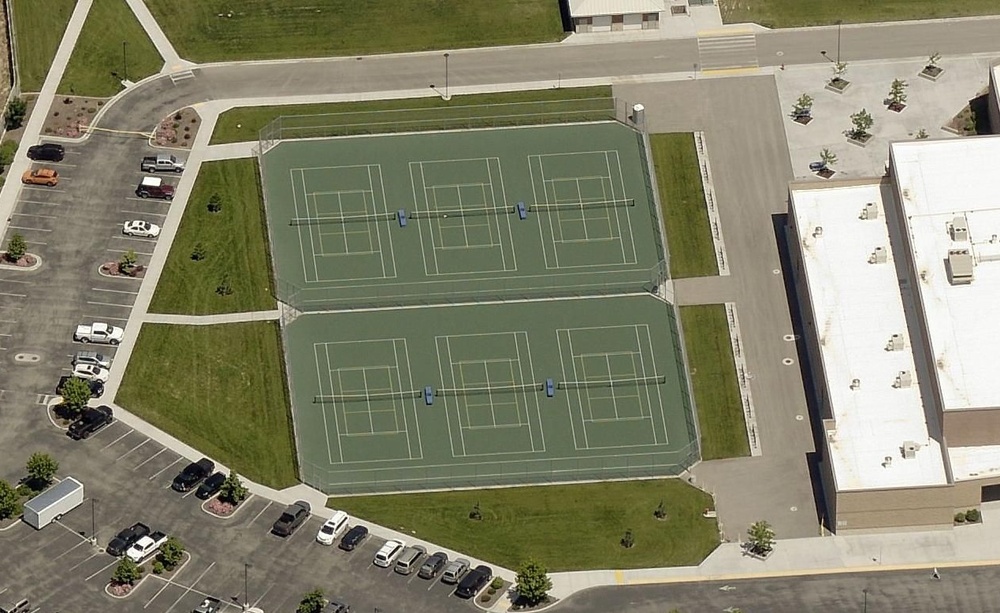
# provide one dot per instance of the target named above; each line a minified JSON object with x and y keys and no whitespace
{"x":614,"y":15}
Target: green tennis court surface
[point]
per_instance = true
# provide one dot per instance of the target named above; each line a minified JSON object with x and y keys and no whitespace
{"x":482,"y":342}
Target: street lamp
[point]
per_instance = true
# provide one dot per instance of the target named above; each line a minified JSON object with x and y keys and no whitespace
{"x":246,"y":586}
{"x":93,"y":520}
{"x":125,"y":60}
{"x":447,"y":94}
{"x":839,"y":24}
{"x":865,"y":592}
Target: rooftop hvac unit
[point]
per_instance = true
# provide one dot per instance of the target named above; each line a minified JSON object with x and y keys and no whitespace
{"x":870,"y":211}
{"x":887,"y":461}
{"x":959,"y":229}
{"x":818,"y":232}
{"x":855,"y":384}
{"x":910,"y":449}
{"x":896,"y":343}
{"x":960,"y":266}
{"x":879,"y":256}
{"x":903,"y":380}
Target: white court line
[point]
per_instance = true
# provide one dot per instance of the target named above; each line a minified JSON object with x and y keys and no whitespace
{"x":336,"y":420}
{"x":659,"y":394}
{"x":319,"y":383}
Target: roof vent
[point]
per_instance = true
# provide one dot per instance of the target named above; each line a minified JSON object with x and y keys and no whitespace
{"x":870,"y":211}
{"x":959,"y":266}
{"x":896,"y":343}
{"x":818,"y":232}
{"x":959,"y":229}
{"x":887,"y":462}
{"x":910,"y":450}
{"x":879,"y":256}
{"x":855,"y":384}
{"x":903,"y":380}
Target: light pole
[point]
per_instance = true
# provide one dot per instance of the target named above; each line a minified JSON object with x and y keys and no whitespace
{"x":865,"y":592}
{"x":447,"y":93}
{"x":246,"y":586}
{"x":839,"y":24}
{"x":124,"y":60}
{"x":93,"y":520}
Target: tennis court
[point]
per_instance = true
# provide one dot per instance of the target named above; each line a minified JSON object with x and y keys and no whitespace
{"x":476,"y":308}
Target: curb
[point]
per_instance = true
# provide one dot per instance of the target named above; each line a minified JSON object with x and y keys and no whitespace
{"x":13,"y":267}
{"x":231,"y":515}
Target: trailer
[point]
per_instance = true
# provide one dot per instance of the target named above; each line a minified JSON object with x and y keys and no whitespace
{"x":53,"y":503}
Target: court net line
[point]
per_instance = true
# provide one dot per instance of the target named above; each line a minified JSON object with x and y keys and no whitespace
{"x":581,"y":206}
{"x":635,"y":381}
{"x":342,"y":398}
{"x":313,"y":221}
{"x":493,"y":389}
{"x":471,"y":212}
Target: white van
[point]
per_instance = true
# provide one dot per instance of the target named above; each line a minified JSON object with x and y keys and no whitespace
{"x":334,"y":527}
{"x":388,"y":553}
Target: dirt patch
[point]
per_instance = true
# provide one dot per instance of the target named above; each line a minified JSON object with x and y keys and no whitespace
{"x":973,"y":119}
{"x":179,"y":129}
{"x":70,"y":115}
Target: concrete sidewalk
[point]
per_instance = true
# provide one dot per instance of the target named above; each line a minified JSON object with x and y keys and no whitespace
{"x":209,"y":320}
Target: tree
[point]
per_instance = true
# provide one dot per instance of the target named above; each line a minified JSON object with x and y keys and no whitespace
{"x":533,"y":583}
{"x":17,"y":108}
{"x":660,"y":512}
{"x":9,"y":501}
{"x":312,"y":603}
{"x":233,"y":491}
{"x":922,"y":134}
{"x":75,"y":393}
{"x":127,"y":572}
{"x":199,"y":252}
{"x":16,"y":247}
{"x":127,"y":263}
{"x":761,"y":538}
{"x":829,"y":158}
{"x":171,"y":553}
{"x":839,"y":70}
{"x":41,"y":468}
{"x":863,"y":122}
{"x":803,"y":106}
{"x":932,"y":61}
{"x":215,"y":203}
{"x":628,"y":541}
{"x":897,"y":92}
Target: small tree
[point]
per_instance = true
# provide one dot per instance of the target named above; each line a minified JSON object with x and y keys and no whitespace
{"x":476,"y":513}
{"x":199,"y":252}
{"x":803,"y":106}
{"x":839,"y":70}
{"x":897,"y":93}
{"x":233,"y":491}
{"x":660,"y":512}
{"x":628,"y":541}
{"x":17,"y":108}
{"x":16,"y":247}
{"x":41,"y":468}
{"x":127,"y":572}
{"x":829,"y":158}
{"x":225,"y":287}
{"x":922,"y":134}
{"x":215,"y":203}
{"x":75,"y":394}
{"x":127,"y":262}
{"x":533,"y":583}
{"x":312,"y":603}
{"x":171,"y":553}
{"x":862,"y":121}
{"x":932,"y":61}
{"x":10,"y":504}
{"x":761,"y":538}
{"x":8,"y":149}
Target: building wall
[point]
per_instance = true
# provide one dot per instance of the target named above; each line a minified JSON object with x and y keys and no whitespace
{"x":615,"y":23}
{"x":994,"y":102}
{"x":918,"y":507}
{"x":972,"y":428}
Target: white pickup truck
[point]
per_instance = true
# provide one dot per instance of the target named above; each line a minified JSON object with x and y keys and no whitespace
{"x":162,"y":163}
{"x":146,"y":546}
{"x":99,"y":332}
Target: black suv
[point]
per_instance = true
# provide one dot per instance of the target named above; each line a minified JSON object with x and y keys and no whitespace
{"x":211,"y":486}
{"x":475,"y":581}
{"x":293,"y":517}
{"x":354,"y":537}
{"x":47,"y":152}
{"x":91,"y":420}
{"x":193,"y":474}
{"x":126,"y":538}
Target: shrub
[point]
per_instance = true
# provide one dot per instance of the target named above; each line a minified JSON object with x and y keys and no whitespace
{"x":7,"y":151}
{"x":158,"y":568}
{"x":233,"y":491}
{"x":496,"y":584}
{"x":199,"y":252}
{"x":127,"y":572}
{"x":16,"y":247}
{"x":972,"y":516}
{"x":225,"y":287}
{"x":17,"y":108}
{"x":959,"y":518}
{"x":215,"y":203}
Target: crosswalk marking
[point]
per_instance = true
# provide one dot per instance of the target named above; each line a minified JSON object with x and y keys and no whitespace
{"x":737,"y":50}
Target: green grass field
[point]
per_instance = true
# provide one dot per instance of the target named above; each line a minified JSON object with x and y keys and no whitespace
{"x":565,"y":527}
{"x":689,"y":235}
{"x":38,"y":28}
{"x":98,"y":63}
{"x":219,"y":30}
{"x":221,"y":389}
{"x":713,"y":376}
{"x":579,"y":103}
{"x":795,"y":13}
{"x":234,"y":242}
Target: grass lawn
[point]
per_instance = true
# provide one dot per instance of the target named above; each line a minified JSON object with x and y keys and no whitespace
{"x":234,"y":242}
{"x":413,"y":114}
{"x":221,"y":389}
{"x":97,"y":65}
{"x":713,"y":376}
{"x":220,"y":30}
{"x":565,"y":527}
{"x":794,"y":13}
{"x":38,"y":27}
{"x":689,"y":234}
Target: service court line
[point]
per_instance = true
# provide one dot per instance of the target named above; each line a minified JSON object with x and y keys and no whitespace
{"x":118,"y":439}
{"x":162,"y":470}
{"x":150,"y":458}
{"x":132,"y":449}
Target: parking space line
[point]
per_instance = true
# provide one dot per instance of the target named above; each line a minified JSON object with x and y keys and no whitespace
{"x":131,"y":430}
{"x":135,"y":238}
{"x":101,"y":318}
{"x":186,"y":589}
{"x":137,"y":199}
{"x":257,"y":602}
{"x":134,"y":251}
{"x":165,"y":468}
{"x":44,"y":189}
{"x":102,"y":570}
{"x":29,"y":229}
{"x":36,"y":242}
{"x":25,"y":201}
{"x":91,"y":557}
{"x":16,"y":281}
{"x":150,"y":458}
{"x":191,"y":491}
{"x":132,"y":449}
{"x":257,"y":516}
{"x":35,"y":215}
{"x":12,"y":295}
{"x":116,"y":291}
{"x":143,"y":213}
{"x":110,"y":304}
{"x":83,"y":542}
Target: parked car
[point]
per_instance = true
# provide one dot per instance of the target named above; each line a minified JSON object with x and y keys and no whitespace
{"x":154,"y":187}
{"x":40,"y":176}
{"x":99,"y":332}
{"x":193,"y":474}
{"x":433,"y":565}
{"x":92,"y":357}
{"x":146,"y":546}
{"x":138,"y":227}
{"x":47,"y":152}
{"x":126,"y":538}
{"x":162,"y":161}
{"x":91,"y":420}
{"x":332,"y":528}
{"x":409,"y":559}
{"x":337,"y":605}
{"x":209,"y":605}
{"x":211,"y":486}
{"x":385,"y":556}
{"x":455,"y":570}
{"x":474,"y":582}
{"x":293,"y":517}
{"x":353,"y":537}
{"x":96,"y":387}
{"x":91,"y":372}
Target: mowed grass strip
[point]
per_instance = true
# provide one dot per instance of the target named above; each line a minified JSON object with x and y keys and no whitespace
{"x":220,"y":389}
{"x":713,"y":376}
{"x":100,"y":58}
{"x":234,"y":245}
{"x":38,"y":28}
{"x":220,"y":30}
{"x":415,"y":114}
{"x":796,"y":13}
{"x":682,"y":196}
{"x":566,"y":527}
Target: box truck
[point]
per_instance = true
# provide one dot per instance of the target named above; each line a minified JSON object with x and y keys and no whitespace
{"x":53,"y":503}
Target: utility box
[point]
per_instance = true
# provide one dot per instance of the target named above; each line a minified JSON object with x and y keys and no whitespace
{"x":638,"y":114}
{"x":53,"y":503}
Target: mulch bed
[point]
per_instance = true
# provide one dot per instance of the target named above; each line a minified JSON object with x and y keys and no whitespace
{"x":220,"y":508}
{"x":25,"y":261}
{"x":69,"y":113}
{"x":179,"y":129}
{"x":114,"y":269}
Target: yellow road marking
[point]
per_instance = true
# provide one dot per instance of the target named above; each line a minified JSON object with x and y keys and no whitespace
{"x":723,"y":32}
{"x":720,"y":72}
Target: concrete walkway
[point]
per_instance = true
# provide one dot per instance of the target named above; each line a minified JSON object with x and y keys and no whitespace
{"x":172,"y":62}
{"x":210,"y":320}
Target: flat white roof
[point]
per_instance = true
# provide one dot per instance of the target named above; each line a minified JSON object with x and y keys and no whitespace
{"x":593,"y":8}
{"x":857,"y":309}
{"x":974,"y":462}
{"x":940,"y":181}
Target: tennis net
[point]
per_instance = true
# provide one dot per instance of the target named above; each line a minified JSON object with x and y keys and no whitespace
{"x":314,"y":221}
{"x":471,"y":212}
{"x":635,"y":381}
{"x":492,"y":389}
{"x":582,"y":206}
{"x":343,"y":398}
